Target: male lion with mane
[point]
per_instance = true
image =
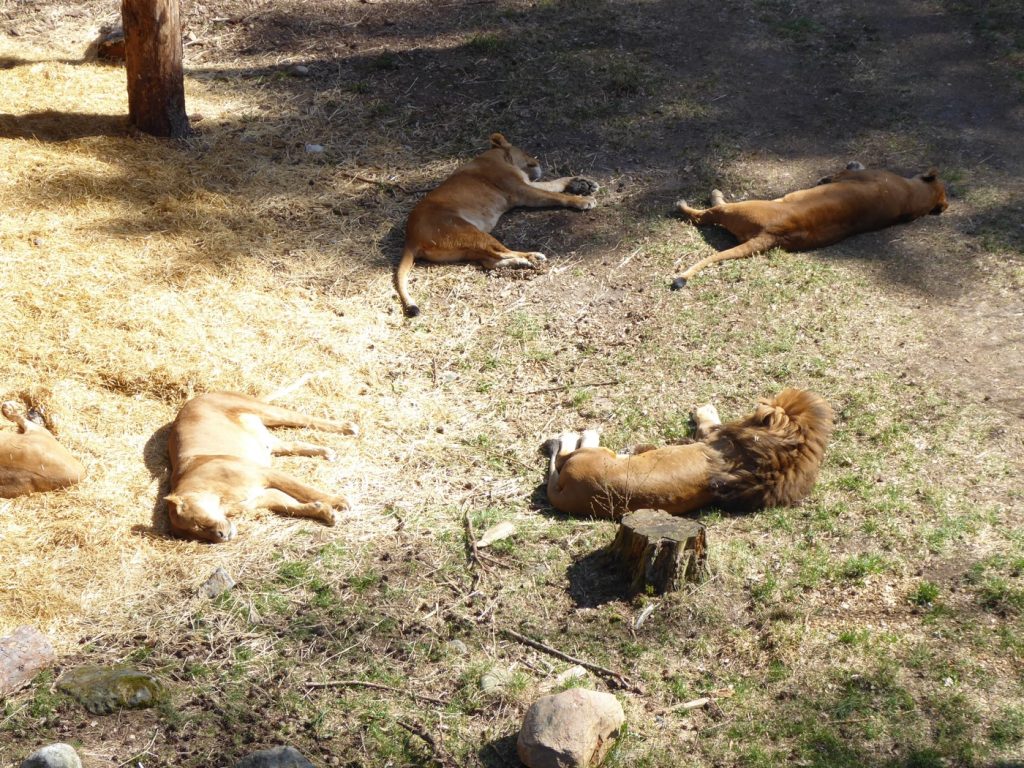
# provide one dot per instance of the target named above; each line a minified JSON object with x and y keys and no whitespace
{"x":768,"y":458}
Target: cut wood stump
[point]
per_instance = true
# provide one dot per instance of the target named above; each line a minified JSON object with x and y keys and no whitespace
{"x":22,"y":655}
{"x":660,"y":552}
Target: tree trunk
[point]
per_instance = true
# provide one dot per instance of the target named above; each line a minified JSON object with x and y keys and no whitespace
{"x":152,"y":57}
{"x":659,"y":551}
{"x":22,"y":655}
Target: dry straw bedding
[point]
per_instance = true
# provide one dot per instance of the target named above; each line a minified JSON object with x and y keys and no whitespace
{"x":137,"y":274}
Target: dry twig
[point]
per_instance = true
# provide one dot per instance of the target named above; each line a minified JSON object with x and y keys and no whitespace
{"x":615,"y":678}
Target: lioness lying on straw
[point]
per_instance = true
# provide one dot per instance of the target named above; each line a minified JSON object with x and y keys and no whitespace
{"x":220,"y":452}
{"x":32,"y":460}
{"x":768,"y":458}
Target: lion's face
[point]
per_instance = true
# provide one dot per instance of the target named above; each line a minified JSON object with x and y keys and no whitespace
{"x":199,"y":515}
{"x":515,"y":156}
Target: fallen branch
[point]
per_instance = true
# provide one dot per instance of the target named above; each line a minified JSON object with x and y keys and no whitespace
{"x":617,"y":679}
{"x":376,"y":686}
{"x":573,"y":386}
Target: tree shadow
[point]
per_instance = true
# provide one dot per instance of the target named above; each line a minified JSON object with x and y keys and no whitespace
{"x":50,"y":125}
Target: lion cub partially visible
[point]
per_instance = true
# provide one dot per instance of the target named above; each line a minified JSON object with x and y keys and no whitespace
{"x":220,"y":452}
{"x":452,"y":223}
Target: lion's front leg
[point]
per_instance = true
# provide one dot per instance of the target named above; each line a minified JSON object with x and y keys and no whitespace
{"x":572,"y":185}
{"x":570,"y":192}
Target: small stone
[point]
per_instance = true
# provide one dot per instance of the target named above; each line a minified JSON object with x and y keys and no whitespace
{"x":457,"y":647}
{"x":299,"y":70}
{"x":53,"y":756}
{"x":572,"y":673}
{"x":572,"y":729}
{"x":494,"y":680}
{"x":220,"y":581}
{"x":315,"y":149}
{"x":278,"y":757}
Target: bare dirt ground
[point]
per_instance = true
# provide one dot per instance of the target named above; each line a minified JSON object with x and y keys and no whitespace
{"x":879,"y":624}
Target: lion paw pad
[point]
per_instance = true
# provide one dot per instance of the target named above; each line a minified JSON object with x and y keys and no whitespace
{"x":582,"y":186}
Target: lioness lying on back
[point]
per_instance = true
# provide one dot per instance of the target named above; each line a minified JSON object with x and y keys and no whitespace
{"x":847,"y":203}
{"x":768,"y":458}
{"x":453,"y":222}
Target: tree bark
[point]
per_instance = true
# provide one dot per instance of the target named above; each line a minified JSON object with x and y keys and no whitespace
{"x":152,"y":57}
{"x":660,"y":551}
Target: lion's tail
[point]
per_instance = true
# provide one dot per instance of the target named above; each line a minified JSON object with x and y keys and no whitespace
{"x":402,"y":280}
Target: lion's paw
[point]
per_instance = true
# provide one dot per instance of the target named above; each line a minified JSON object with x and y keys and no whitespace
{"x":536,"y":258}
{"x":586,"y":203}
{"x":706,"y":413}
{"x":582,"y":186}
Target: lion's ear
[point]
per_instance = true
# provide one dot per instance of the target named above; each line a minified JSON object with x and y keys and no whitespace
{"x":776,"y":418}
{"x":930,"y":175}
{"x":497,"y":140}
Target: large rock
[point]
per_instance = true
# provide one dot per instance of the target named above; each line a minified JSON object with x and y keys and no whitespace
{"x":53,"y":756}
{"x":278,"y":757}
{"x":572,"y":729}
{"x":23,"y":653}
{"x":103,"y":690}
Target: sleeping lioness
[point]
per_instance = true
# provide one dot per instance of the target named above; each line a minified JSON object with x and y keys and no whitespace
{"x":220,"y":451}
{"x":453,"y":222}
{"x":847,"y":203}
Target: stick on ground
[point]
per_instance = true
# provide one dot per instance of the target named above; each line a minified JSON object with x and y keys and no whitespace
{"x":615,"y":678}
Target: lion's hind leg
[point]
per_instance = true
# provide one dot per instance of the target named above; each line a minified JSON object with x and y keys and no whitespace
{"x":484,"y":250}
{"x":705,"y":417}
{"x":281,"y":502}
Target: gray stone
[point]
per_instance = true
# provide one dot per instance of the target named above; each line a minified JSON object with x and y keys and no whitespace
{"x":220,"y":581}
{"x":299,"y":70}
{"x":572,"y":729}
{"x":458,"y":647}
{"x":315,"y":149}
{"x":278,"y":757}
{"x":53,"y":756}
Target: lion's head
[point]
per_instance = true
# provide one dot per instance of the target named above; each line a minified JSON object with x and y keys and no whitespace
{"x":771,"y":457}
{"x":515,"y":156}
{"x":199,"y":515}
{"x":931,"y":178}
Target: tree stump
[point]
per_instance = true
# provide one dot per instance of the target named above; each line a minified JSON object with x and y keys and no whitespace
{"x":22,"y":655}
{"x":659,"y":551}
